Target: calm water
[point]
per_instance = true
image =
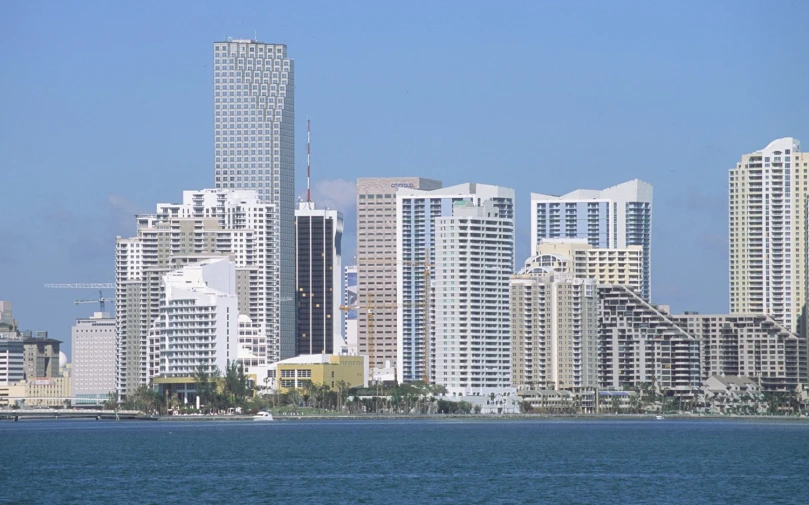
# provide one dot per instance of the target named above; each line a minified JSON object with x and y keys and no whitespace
{"x":392,"y":462}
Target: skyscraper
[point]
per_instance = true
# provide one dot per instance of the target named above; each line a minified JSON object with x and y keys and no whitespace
{"x":319,"y":235}
{"x":350,"y":316}
{"x":377,"y":262}
{"x":417,"y":250}
{"x":613,"y":218}
{"x":768,"y":191}
{"x":93,"y":349}
{"x":254,"y":146}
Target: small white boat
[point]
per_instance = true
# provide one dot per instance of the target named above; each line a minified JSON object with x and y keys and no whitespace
{"x":659,"y":418}
{"x":262,"y":416}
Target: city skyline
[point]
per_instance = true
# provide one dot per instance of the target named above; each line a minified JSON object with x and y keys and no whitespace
{"x":375,"y":130}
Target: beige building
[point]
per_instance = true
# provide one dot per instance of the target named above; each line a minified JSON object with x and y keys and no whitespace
{"x":748,"y":345}
{"x":554,"y":330}
{"x":607,"y":266}
{"x":43,"y":392}
{"x":767,"y":216}
{"x":41,"y":356}
{"x":326,"y":369}
{"x":377,"y":263}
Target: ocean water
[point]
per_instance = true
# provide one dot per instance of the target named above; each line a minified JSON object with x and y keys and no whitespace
{"x":398,"y":462}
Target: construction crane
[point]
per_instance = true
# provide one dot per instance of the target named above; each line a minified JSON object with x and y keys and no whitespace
{"x":426,"y":299}
{"x":88,"y":285}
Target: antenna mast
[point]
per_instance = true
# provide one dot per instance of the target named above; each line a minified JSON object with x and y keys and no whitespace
{"x":308,"y":165}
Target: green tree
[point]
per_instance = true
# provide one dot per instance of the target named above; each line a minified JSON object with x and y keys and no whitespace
{"x":236,"y":382}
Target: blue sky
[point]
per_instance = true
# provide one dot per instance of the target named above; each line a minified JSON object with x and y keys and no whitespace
{"x":107,"y":110}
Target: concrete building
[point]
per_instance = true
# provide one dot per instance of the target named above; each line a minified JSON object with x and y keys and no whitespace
{"x":640,"y":343}
{"x":6,"y":317}
{"x":554,"y":330}
{"x":417,"y":248}
{"x":54,"y":391}
{"x":41,"y":355}
{"x":577,"y":257}
{"x":328,"y":369}
{"x":93,"y":349}
{"x":470,"y":352}
{"x":12,"y":368}
{"x":208,"y":223}
{"x":319,"y":236}
{"x":254,"y":148}
{"x":350,"y":297}
{"x":377,"y":261}
{"x":198,"y":323}
{"x":612,"y":218}
{"x":748,"y":345}
{"x":767,"y":216}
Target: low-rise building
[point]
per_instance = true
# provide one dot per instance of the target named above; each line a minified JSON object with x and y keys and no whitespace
{"x":328,"y":369}
{"x":54,"y":391}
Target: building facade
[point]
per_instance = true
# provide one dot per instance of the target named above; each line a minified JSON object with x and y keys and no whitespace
{"x":377,"y":263}
{"x":308,"y":369}
{"x":640,"y":343}
{"x":208,"y":223}
{"x":198,"y":323}
{"x":254,"y":148}
{"x":12,"y":368}
{"x":767,"y":216}
{"x":470,"y":352}
{"x":417,"y":251}
{"x":319,"y":235}
{"x":754,"y":346}
{"x":93,"y":349}
{"x":612,"y":218}
{"x":41,"y":356}
{"x":350,"y":297}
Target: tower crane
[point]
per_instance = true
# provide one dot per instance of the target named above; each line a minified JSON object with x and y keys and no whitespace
{"x":88,"y":285}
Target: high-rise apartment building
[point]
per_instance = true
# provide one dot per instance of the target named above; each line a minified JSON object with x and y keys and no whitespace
{"x":612,"y":218}
{"x":319,"y":235}
{"x":208,"y":223}
{"x":198,"y":323}
{"x":254,"y":148}
{"x":417,"y":246}
{"x":93,"y":350}
{"x":768,"y":198}
{"x":554,"y":330}
{"x":470,"y":352}
{"x":377,"y":262}
{"x":748,"y":345}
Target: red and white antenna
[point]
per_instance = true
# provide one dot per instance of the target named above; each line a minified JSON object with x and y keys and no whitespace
{"x":308,"y":164}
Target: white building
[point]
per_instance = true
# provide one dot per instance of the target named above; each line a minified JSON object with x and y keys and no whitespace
{"x":612,"y":218}
{"x":416,"y":252}
{"x":254,"y":148}
{"x":208,"y":223}
{"x":93,"y":350}
{"x":319,"y":273}
{"x":198,"y":323}
{"x":474,"y":259}
{"x":350,"y":298}
{"x":768,"y":198}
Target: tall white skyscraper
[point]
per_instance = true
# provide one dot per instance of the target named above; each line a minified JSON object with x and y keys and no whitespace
{"x":474,"y":259}
{"x":254,"y":146}
{"x":417,"y":249}
{"x":768,"y":191}
{"x":93,"y":349}
{"x":208,"y":223}
{"x":613,"y":218}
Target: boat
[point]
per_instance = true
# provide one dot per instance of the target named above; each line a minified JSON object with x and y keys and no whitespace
{"x":659,"y":418}
{"x":262,"y":416}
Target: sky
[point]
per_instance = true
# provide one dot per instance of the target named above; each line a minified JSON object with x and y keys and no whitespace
{"x":107,"y":109}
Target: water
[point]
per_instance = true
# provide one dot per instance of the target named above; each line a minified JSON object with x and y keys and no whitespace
{"x":397,"y":462}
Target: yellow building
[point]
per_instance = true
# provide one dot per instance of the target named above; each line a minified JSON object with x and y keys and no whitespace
{"x":325,"y":369}
{"x":43,"y":392}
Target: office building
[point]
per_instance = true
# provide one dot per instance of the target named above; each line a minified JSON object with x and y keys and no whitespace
{"x":93,"y":349}
{"x":474,"y":259}
{"x":376,"y":264}
{"x":198,"y":323}
{"x":12,"y":369}
{"x":53,"y":391}
{"x":254,"y":148}
{"x":331,"y":370}
{"x":612,"y":218}
{"x":319,"y":235}
{"x":417,"y":251}
{"x":6,"y":317}
{"x":41,"y":355}
{"x":767,"y":227}
{"x":208,"y":223}
{"x":748,"y":345}
{"x":554,"y":330}
{"x":640,"y":343}
{"x":350,"y":297}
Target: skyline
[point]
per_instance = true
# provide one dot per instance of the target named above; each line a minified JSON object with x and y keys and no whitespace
{"x":550,"y":100}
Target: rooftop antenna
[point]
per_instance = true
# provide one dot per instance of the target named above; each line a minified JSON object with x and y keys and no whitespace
{"x":308,"y":164}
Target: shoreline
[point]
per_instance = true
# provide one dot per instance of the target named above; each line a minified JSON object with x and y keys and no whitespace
{"x":480,"y":417}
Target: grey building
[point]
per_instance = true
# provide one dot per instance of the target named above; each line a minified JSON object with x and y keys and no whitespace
{"x":254,"y":146}
{"x":41,"y":356}
{"x":93,"y":349}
